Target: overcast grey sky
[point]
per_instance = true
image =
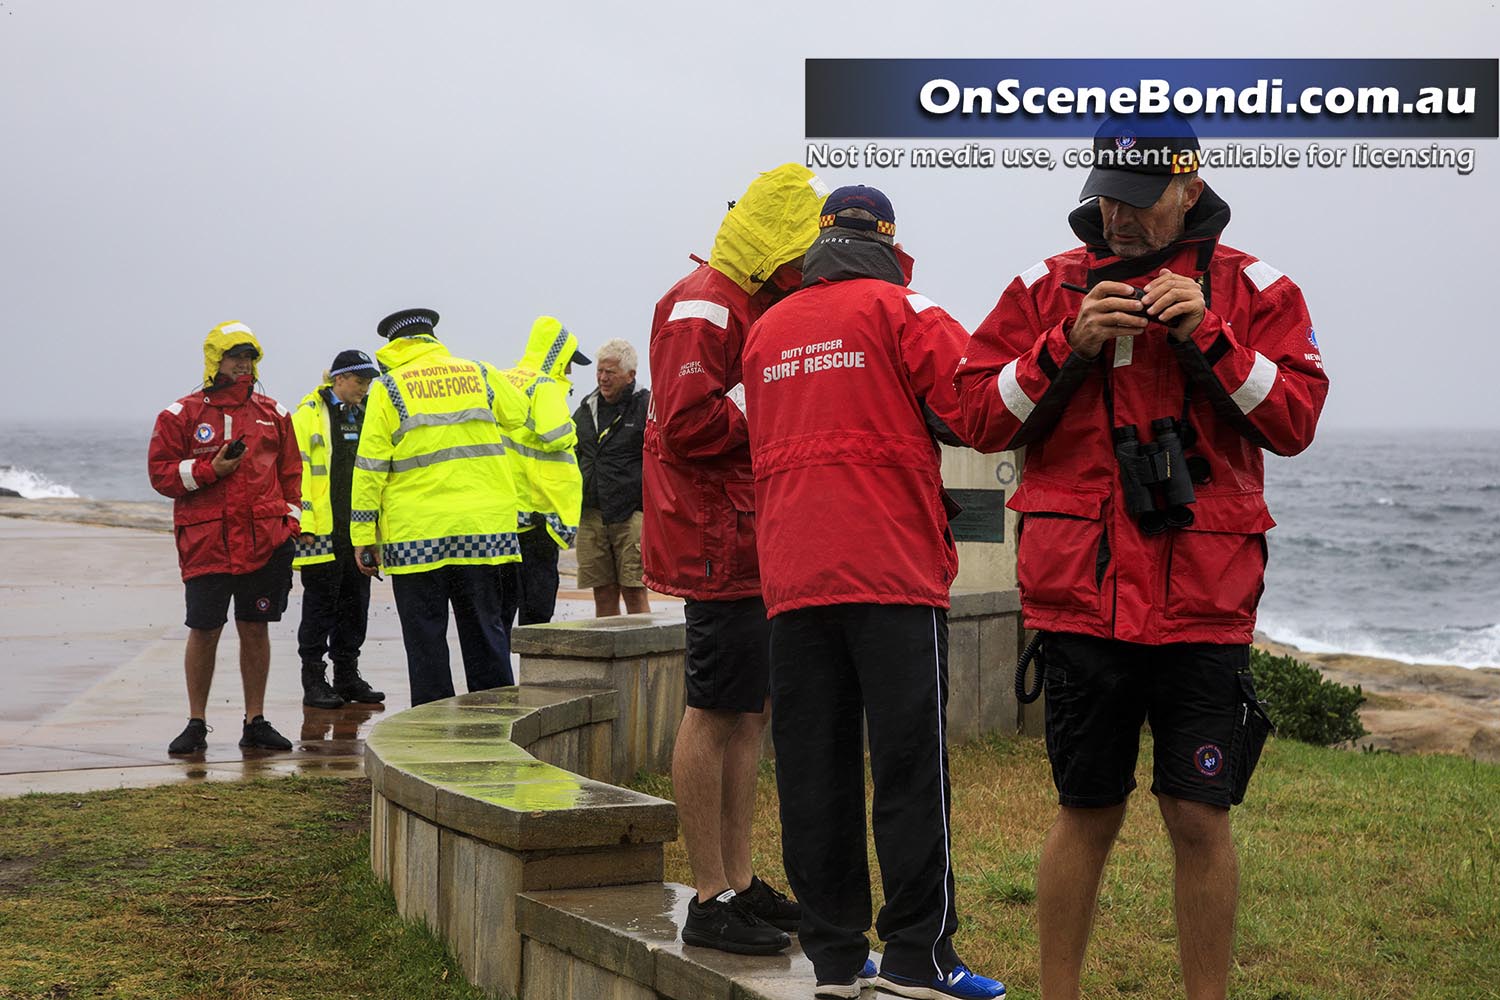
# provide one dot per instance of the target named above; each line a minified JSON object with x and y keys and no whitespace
{"x":309,"y":167}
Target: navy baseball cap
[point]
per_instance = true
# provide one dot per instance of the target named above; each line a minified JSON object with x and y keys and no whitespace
{"x":872,"y":200}
{"x":1135,"y":158}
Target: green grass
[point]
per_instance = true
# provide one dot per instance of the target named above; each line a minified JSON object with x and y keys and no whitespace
{"x":1363,"y":876}
{"x":224,"y":891}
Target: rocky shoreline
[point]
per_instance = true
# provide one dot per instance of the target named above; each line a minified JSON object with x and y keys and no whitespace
{"x":1409,"y":708}
{"x":1417,"y":707}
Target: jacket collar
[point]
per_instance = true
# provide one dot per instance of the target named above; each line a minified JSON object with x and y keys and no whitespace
{"x":404,"y":350}
{"x":1204,"y":224}
{"x":844,"y":254}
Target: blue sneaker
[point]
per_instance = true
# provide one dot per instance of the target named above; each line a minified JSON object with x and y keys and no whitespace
{"x":850,"y":989}
{"x":959,"y":983}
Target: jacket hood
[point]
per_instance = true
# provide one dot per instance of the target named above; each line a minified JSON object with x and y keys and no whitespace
{"x":222,"y":338}
{"x":1203,"y":225}
{"x":774,"y":222}
{"x":404,"y":350}
{"x":549,"y":348}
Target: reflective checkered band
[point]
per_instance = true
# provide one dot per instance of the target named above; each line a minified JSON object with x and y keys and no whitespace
{"x":307,"y":505}
{"x":489,"y":390}
{"x":431,"y":550}
{"x":364,"y":516}
{"x":395,"y":394}
{"x":563,"y":531}
{"x":322,"y":545}
{"x":556,"y":348}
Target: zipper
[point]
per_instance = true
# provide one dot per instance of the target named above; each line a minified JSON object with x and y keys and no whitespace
{"x":708,"y":569}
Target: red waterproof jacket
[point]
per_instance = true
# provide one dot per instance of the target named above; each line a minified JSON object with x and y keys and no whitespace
{"x":698,"y":533}
{"x":847,"y":481}
{"x":1250,"y":378}
{"x":234,"y":524}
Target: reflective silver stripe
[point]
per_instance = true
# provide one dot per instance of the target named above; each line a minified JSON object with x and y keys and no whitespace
{"x":185,"y":470}
{"x":174,"y":409}
{"x":541,"y":456}
{"x":700,"y":309}
{"x":307,"y":458}
{"x":1258,"y":386}
{"x":556,"y":432}
{"x":1014,"y":397}
{"x":318,"y":470}
{"x":440,"y":420}
{"x":372,"y":464}
{"x":316,"y":439}
{"x":295,"y":513}
{"x":1034,"y":273}
{"x":447,"y":455}
{"x":1262,"y":275}
{"x":918,"y":302}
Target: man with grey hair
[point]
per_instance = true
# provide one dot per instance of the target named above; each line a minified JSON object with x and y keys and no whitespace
{"x":611,"y":423}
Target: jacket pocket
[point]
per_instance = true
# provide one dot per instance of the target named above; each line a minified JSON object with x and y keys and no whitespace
{"x":1251,"y":727}
{"x":202,"y":542}
{"x":1063,"y":549}
{"x":1216,"y":566}
{"x":742,"y":554}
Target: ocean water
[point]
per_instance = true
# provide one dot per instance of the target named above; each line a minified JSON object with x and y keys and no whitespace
{"x":1387,"y":544}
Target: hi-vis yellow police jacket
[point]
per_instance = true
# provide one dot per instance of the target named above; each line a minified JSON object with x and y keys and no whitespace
{"x":540,"y":452}
{"x":431,"y":481}
{"x":311,"y":422}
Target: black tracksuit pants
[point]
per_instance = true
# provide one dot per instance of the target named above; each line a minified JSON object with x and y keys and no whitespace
{"x":422,"y":604}
{"x":531,"y":584}
{"x":831,"y":668}
{"x":335,"y":612}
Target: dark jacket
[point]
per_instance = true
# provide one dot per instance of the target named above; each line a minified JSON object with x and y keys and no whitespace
{"x":610,"y":456}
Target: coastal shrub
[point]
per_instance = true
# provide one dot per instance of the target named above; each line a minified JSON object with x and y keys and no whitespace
{"x":1304,"y":704}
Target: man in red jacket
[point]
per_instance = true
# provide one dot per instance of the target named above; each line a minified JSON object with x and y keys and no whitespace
{"x":1144,"y":404}
{"x":846,"y":384}
{"x":698,"y":542}
{"x":228,"y":457}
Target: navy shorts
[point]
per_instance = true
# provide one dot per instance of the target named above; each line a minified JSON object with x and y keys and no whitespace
{"x":1207,"y":726}
{"x":728,"y":655}
{"x":259,"y":596}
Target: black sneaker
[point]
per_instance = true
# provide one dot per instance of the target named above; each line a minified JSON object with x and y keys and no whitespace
{"x":193,"y":739}
{"x":316,"y":693}
{"x":261,"y":735}
{"x":352,"y":687}
{"x":727,"y":924}
{"x":771,"y":905}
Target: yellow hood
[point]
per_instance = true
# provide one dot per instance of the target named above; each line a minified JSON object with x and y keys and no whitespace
{"x":775,"y":221}
{"x":220,"y":339}
{"x":549,"y":348}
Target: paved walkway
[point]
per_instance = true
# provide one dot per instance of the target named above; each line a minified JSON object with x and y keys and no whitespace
{"x":91,"y":643}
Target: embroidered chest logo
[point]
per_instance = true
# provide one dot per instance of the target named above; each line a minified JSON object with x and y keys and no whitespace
{"x":204,"y":433}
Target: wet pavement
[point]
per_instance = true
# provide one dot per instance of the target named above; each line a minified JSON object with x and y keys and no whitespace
{"x":91,"y":646}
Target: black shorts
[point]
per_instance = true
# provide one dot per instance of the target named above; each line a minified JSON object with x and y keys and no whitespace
{"x":728,"y":655}
{"x":259,"y":596}
{"x":1207,"y":727}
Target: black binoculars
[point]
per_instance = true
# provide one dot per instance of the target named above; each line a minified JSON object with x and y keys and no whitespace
{"x":1157,"y":467}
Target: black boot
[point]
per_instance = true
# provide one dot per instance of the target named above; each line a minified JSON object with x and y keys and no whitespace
{"x":352,"y":687}
{"x":315,"y":690}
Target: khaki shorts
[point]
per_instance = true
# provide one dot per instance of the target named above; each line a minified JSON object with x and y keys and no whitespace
{"x":609,"y":554}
